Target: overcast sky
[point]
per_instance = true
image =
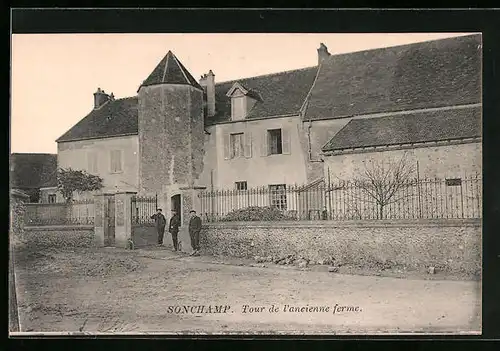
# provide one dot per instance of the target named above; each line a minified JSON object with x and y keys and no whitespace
{"x":54,"y":76}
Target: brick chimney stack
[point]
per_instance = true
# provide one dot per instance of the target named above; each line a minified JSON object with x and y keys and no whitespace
{"x":207,"y":81}
{"x":322,"y":53}
{"x":100,"y":98}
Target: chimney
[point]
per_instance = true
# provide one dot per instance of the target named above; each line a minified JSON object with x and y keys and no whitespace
{"x":207,"y":81}
{"x":100,"y":97}
{"x":322,"y":53}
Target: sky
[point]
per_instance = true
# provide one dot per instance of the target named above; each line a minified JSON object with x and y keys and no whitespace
{"x":54,"y":76}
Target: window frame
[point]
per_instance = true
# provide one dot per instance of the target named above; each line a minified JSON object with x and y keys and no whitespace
{"x":92,"y":162}
{"x":52,"y":196}
{"x":120,"y":153}
{"x":278,"y":196}
{"x":232,"y":143}
{"x":278,"y":144}
{"x":241,"y":182}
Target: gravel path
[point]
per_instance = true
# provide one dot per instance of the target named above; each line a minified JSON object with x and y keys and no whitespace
{"x":117,"y":291}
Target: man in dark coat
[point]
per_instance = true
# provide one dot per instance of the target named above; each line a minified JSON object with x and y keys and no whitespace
{"x":173,"y":228}
{"x":160,"y":223}
{"x":194,"y":232}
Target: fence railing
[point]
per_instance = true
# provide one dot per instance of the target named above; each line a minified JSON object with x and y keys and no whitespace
{"x":77,"y":212}
{"x":143,"y":207}
{"x":349,"y":200}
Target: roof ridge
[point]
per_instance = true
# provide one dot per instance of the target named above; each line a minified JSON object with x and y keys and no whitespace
{"x":265,"y":75}
{"x":181,"y":67}
{"x":125,"y":98}
{"x":401,"y":45}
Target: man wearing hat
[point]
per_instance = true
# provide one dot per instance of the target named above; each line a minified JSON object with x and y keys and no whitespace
{"x":160,"y":223}
{"x":173,"y":228}
{"x":194,"y":232}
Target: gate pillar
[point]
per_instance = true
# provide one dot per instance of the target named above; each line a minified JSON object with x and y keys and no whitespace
{"x":99,"y":219}
{"x":123,"y":218}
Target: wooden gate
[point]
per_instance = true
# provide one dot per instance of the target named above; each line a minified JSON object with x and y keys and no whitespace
{"x":109,"y":234}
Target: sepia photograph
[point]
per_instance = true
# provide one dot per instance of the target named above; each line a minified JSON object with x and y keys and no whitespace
{"x":246,"y":183}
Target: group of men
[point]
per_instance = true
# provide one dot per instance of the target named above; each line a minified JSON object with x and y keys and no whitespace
{"x":173,"y":229}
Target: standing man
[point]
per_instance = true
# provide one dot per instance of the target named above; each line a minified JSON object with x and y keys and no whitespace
{"x":194,"y":232}
{"x":173,"y":228}
{"x":160,"y":223}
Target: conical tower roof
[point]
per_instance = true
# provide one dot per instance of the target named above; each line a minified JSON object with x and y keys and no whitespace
{"x":170,"y":71}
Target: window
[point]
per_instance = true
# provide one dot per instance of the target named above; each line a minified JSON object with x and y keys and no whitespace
{"x":278,"y":196}
{"x":241,"y":185}
{"x":92,"y":162}
{"x":116,"y":161}
{"x":52,"y":198}
{"x":276,"y":142}
{"x":238,"y":108}
{"x":275,"y":145}
{"x":237,"y":145}
{"x":454,"y":181}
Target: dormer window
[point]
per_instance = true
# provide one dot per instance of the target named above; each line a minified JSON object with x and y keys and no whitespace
{"x":242,"y":101}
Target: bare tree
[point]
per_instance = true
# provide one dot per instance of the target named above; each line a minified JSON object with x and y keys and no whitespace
{"x":383,"y":182}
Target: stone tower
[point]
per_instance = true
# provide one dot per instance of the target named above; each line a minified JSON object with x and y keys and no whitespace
{"x":171,"y":135}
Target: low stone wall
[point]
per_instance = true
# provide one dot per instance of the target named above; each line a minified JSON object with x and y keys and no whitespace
{"x":144,"y":235}
{"x":59,"y":236}
{"x":448,"y":245}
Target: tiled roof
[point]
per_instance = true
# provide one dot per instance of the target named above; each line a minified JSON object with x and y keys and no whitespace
{"x":29,"y":171}
{"x":277,"y":94}
{"x":117,"y":117}
{"x":170,"y":71}
{"x":408,"y":128}
{"x":435,"y":73}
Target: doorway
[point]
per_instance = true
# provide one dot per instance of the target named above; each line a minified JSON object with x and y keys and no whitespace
{"x":175,"y":204}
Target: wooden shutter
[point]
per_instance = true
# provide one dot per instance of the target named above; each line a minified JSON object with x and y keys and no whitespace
{"x":285,"y":140}
{"x":226,"y":146}
{"x":264,"y":151}
{"x":248,"y":144}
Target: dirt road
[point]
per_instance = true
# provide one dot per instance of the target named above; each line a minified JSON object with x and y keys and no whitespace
{"x":112,"y":290}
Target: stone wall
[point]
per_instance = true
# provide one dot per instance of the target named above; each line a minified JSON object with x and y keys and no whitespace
{"x":17,"y":213}
{"x":59,"y":236}
{"x":448,"y":245}
{"x":170,"y":136}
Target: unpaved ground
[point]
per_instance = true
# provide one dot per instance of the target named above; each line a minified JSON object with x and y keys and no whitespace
{"x":113,"y":290}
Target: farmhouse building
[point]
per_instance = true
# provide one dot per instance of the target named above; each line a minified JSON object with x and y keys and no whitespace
{"x":180,"y":135}
{"x":35,"y":175}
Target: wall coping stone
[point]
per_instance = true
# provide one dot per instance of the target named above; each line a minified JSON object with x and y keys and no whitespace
{"x":354,"y":223}
{"x":58,"y":227}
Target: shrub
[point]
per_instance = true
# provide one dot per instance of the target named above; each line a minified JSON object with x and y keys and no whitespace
{"x":256,"y":214}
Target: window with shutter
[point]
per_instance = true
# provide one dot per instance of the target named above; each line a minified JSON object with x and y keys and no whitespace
{"x":237,"y":146}
{"x":248,"y":145}
{"x":264,"y":148}
{"x":116,"y":161}
{"x":285,"y":139}
{"x":226,"y":147}
{"x":238,"y":107}
{"x":275,"y":142}
{"x":92,"y":162}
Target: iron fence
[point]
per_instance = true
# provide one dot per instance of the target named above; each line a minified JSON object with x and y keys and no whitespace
{"x":349,"y":200}
{"x":76,"y":212}
{"x":143,"y":207}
